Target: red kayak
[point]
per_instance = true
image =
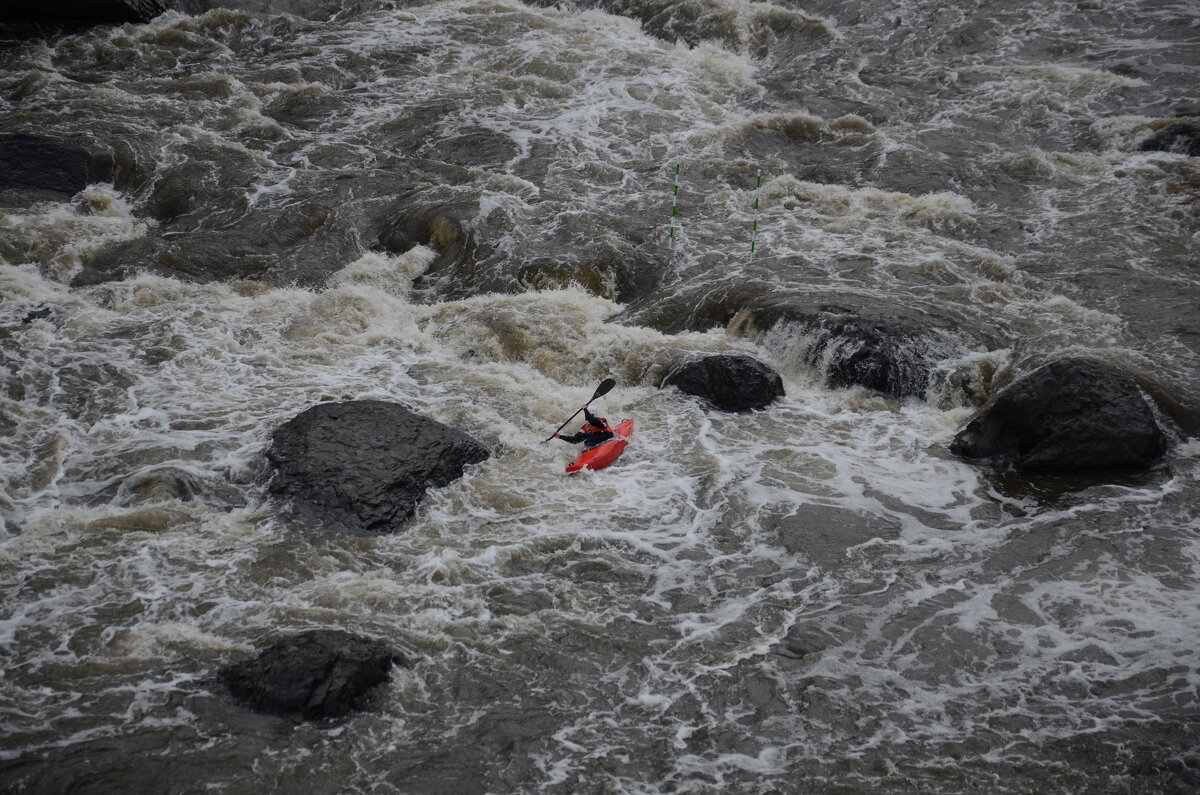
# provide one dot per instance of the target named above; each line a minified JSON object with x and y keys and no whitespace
{"x":604,"y":453}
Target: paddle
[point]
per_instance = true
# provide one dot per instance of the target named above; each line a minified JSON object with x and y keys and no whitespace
{"x":605,"y":385}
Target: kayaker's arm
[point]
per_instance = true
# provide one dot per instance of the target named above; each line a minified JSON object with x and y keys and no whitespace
{"x":574,"y":438}
{"x":592,"y":419}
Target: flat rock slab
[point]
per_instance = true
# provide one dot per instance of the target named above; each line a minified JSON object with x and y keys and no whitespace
{"x":730,"y":383}
{"x":365,"y":465}
{"x":49,"y":167}
{"x":322,"y":673}
{"x":1073,"y":414}
{"x":825,"y":534}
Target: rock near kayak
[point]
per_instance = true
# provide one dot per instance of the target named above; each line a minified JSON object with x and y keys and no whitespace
{"x":364,"y":465}
{"x":1072,"y":414}
{"x":730,"y":383}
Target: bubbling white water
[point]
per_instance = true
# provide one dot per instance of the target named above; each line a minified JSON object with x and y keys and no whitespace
{"x":674,"y":553}
{"x":815,"y":593}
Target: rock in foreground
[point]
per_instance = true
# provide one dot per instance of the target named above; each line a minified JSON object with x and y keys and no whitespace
{"x":1073,"y":414}
{"x":321,"y":673}
{"x":364,"y":465}
{"x":729,"y":382}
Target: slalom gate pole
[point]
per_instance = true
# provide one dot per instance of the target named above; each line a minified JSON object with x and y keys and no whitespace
{"x":674,"y":207}
{"x":754,"y":225}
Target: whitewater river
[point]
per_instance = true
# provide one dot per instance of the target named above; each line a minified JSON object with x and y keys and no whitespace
{"x":466,"y":207}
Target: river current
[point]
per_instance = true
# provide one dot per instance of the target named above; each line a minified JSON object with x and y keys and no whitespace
{"x":482,"y":208}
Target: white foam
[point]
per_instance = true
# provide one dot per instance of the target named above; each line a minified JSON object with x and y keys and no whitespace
{"x":707,"y":651}
{"x":56,"y":236}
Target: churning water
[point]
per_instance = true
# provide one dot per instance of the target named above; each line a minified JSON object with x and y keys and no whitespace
{"x":464,"y":207}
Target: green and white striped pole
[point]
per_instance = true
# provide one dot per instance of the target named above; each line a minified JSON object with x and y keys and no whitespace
{"x":674,"y":207}
{"x":754,"y":224}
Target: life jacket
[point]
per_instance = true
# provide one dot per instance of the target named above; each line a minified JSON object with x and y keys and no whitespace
{"x":589,"y":428}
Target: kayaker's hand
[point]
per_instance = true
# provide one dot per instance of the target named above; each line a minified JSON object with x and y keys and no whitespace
{"x":556,"y":436}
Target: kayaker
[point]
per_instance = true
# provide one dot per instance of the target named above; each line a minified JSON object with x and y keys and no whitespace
{"x":595,"y":431}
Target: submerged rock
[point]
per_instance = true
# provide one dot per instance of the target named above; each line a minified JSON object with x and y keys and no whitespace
{"x":1072,"y":414}
{"x":1180,"y":138}
{"x":49,"y":167}
{"x":729,"y":382}
{"x":37,"y":314}
{"x":825,"y":534}
{"x":320,"y":10}
{"x":321,"y":673}
{"x":894,"y":355}
{"x":443,"y":233}
{"x":614,"y":268}
{"x":364,"y":465}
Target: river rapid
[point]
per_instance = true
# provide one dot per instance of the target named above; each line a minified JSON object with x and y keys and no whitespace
{"x":467,"y":207}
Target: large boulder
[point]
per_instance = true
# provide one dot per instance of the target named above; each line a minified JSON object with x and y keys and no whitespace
{"x":49,"y":167}
{"x":364,"y":465}
{"x":728,"y":382}
{"x":1180,"y":138}
{"x":322,"y":673}
{"x":1072,"y":414}
{"x":894,"y":354}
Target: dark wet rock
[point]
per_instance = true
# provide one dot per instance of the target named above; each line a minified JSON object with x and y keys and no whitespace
{"x":49,"y":167}
{"x":1180,"y":138}
{"x":275,"y":246}
{"x":694,"y":23}
{"x":148,"y":519}
{"x":90,"y":390}
{"x":364,"y":465}
{"x":26,"y":18}
{"x":37,"y":314}
{"x":1073,"y":414}
{"x":209,"y":232}
{"x":728,"y":382}
{"x":170,"y":484}
{"x":475,"y":148}
{"x":614,"y":269}
{"x":837,"y":151}
{"x":442,"y":233}
{"x":893,"y":354}
{"x":805,"y":639}
{"x":445,"y":221}
{"x":201,"y":257}
{"x":693,"y":307}
{"x":555,"y":273}
{"x":322,"y":673}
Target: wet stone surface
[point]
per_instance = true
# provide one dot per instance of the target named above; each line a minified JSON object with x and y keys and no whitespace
{"x":311,"y":675}
{"x":364,"y":465}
